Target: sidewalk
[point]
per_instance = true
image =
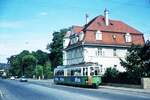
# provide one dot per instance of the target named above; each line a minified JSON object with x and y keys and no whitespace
{"x":147,"y":91}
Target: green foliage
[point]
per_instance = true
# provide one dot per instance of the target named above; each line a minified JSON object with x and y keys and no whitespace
{"x":133,"y":61}
{"x":137,"y":61}
{"x":42,"y":57}
{"x":145,"y":56}
{"x":15,"y":66}
{"x":15,"y":62}
{"x":111,"y":73}
{"x":47,"y":72}
{"x":28,"y":64}
{"x":25,"y":63}
{"x":56,"y":47}
{"x":38,"y":71}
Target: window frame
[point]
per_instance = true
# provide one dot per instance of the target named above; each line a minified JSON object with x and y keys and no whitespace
{"x":128,"y":38}
{"x":98,"y":35}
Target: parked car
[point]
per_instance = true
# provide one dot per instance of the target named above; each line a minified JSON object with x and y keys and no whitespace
{"x":23,"y":79}
{"x":12,"y":78}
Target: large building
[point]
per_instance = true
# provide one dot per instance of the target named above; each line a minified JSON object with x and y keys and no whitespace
{"x":101,"y":40}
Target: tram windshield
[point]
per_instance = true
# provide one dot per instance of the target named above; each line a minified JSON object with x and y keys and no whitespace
{"x":94,"y":71}
{"x":59,"y":73}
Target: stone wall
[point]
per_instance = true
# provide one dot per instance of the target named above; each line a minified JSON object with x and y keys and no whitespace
{"x":145,"y":82}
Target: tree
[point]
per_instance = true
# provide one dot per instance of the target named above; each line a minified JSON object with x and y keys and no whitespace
{"x":47,"y":72}
{"x":25,"y":63}
{"x":56,"y":47}
{"x":133,"y":61}
{"x":38,"y":71}
{"x":145,"y":56}
{"x":42,"y":57}
{"x":137,"y":61}
{"x":28,"y":64}
{"x":15,"y":68}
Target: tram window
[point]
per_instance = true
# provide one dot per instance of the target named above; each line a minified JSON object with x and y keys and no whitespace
{"x":55,"y":73}
{"x":91,"y":71}
{"x":72,"y":73}
{"x":60,"y":73}
{"x":83,"y":71}
{"x":86,"y":71}
{"x":68,"y":72}
{"x":77,"y":72}
{"x":97,"y":71}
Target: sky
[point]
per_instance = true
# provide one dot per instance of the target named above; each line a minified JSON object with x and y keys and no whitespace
{"x":29,"y":24}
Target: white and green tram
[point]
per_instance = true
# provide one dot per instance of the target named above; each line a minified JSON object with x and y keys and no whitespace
{"x":88,"y":74}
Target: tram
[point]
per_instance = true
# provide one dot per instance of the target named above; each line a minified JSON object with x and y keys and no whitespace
{"x":88,"y":74}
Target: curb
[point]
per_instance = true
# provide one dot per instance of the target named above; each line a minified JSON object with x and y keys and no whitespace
{"x":127,"y":89}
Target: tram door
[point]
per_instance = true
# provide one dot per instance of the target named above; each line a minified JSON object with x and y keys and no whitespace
{"x":89,"y":74}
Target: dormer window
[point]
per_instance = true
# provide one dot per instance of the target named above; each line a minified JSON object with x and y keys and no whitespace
{"x":128,"y":37}
{"x":98,"y":35}
{"x":74,"y":38}
{"x":81,"y":36}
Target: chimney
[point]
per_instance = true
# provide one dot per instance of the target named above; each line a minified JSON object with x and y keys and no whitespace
{"x":87,"y":18}
{"x":106,"y":12}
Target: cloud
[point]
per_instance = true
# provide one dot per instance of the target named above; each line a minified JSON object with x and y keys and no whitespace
{"x":13,"y":24}
{"x":43,"y":13}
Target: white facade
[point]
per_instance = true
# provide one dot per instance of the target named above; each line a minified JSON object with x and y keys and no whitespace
{"x":104,"y":56}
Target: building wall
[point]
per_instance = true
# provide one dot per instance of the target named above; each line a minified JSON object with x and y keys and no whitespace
{"x":107,"y":58}
{"x":74,"y":56}
{"x":104,"y":57}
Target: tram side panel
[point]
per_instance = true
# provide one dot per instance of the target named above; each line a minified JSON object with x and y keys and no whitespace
{"x":91,"y":80}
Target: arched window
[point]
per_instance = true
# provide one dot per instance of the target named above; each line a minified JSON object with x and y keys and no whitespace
{"x":98,"y":35}
{"x":128,"y":37}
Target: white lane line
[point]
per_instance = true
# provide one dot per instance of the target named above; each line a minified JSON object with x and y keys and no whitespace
{"x":1,"y":94}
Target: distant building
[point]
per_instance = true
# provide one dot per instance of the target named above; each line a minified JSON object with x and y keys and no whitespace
{"x":102,"y":40}
{"x":3,"y":69}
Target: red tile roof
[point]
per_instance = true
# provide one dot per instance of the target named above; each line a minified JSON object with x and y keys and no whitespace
{"x":98,"y":23}
{"x":77,"y":29}
{"x":117,"y":28}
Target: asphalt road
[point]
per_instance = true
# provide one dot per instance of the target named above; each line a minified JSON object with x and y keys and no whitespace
{"x":15,"y":90}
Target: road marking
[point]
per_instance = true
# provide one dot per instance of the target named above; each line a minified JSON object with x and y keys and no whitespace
{"x":1,"y":94}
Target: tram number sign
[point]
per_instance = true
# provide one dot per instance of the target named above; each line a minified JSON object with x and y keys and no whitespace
{"x":78,"y":80}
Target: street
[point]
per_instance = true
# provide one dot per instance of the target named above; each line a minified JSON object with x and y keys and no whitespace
{"x":36,"y":90}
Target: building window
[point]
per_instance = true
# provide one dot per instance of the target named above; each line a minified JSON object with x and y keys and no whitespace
{"x":128,"y":37}
{"x":115,"y":66}
{"x":98,"y":35}
{"x":114,"y":52}
{"x":99,"y":52}
{"x":101,"y":68}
